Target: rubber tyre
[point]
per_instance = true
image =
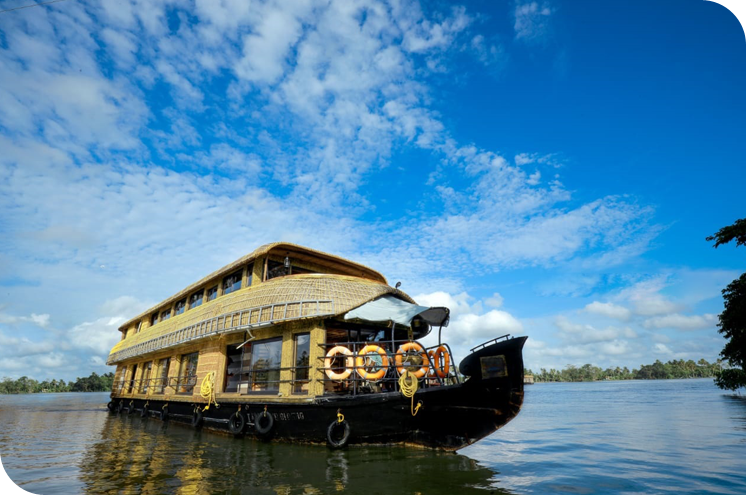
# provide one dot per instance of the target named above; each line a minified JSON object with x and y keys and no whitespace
{"x":263,"y":430}
{"x":144,"y":412}
{"x":164,"y":414}
{"x":331,"y":437}
{"x":111,"y":407}
{"x":130,"y":409}
{"x":197,"y":418}
{"x":236,"y":423}
{"x":120,"y":407}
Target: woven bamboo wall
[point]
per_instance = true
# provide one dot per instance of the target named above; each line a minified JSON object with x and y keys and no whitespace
{"x":301,"y":255}
{"x":346,"y":293}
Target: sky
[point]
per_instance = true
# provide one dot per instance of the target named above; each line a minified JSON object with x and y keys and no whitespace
{"x":548,"y":169}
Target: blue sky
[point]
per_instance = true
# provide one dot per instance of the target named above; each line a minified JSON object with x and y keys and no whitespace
{"x":544,"y":168}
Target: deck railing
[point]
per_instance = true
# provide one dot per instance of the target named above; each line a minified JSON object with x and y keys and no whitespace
{"x":267,"y":380}
{"x":236,"y":321}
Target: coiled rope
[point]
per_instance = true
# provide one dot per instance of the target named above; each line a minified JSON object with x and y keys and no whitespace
{"x":408,"y":385}
{"x":207,"y":390}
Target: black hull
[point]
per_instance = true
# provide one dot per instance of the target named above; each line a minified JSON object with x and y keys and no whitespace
{"x":451,"y":417}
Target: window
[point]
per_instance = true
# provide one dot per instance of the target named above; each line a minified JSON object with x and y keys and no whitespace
{"x":162,"y":382}
{"x":233,"y":368}
{"x":166,"y":315}
{"x":275,"y":269}
{"x":232,"y":283}
{"x":302,"y":345}
{"x":145,"y":381}
{"x":195,"y":299}
{"x":187,"y":373}
{"x":180,"y":307}
{"x":154,"y":319}
{"x":212,"y":293}
{"x":132,"y":379}
{"x":264,"y":373}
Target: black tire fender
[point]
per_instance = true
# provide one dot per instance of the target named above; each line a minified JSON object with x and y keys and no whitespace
{"x":111,"y":406}
{"x":197,"y":418}
{"x":164,"y":413}
{"x":144,"y":412}
{"x":332,"y":436}
{"x":263,"y":424}
{"x":236,"y":422}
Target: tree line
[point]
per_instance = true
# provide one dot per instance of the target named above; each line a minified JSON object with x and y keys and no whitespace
{"x":656,"y":371}
{"x":26,"y":385}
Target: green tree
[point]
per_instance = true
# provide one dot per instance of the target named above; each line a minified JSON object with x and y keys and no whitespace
{"x":733,"y":318}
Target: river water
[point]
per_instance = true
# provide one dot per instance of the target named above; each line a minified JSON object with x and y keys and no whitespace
{"x":677,"y":436}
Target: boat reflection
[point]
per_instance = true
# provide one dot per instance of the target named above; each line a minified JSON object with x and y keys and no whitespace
{"x":150,"y":457}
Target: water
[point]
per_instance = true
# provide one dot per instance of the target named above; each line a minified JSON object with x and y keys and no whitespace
{"x":679,"y":436}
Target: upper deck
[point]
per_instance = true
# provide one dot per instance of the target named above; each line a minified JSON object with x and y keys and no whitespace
{"x":275,"y":283}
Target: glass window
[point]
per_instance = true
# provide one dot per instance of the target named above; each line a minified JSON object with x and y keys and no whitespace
{"x":180,"y":307}
{"x":212,"y":293}
{"x":302,"y":345}
{"x":275,"y":269}
{"x":188,"y":373}
{"x":265,"y":365}
{"x":154,"y":319}
{"x":195,"y":299}
{"x":232,"y":283}
{"x":233,"y":367}
{"x":145,"y":380}
{"x":132,"y":378}
{"x":166,"y":315}
{"x":163,"y":366}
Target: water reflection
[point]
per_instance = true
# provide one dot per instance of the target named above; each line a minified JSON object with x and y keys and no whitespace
{"x":150,"y":457}
{"x":737,"y":407}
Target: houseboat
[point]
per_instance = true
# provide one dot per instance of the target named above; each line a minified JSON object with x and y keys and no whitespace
{"x":292,"y":344}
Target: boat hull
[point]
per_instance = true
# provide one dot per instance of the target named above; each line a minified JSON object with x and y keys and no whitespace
{"x":449,"y":418}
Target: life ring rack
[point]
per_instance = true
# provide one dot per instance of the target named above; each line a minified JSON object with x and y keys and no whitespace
{"x":360,"y":363}
{"x":407,"y":347}
{"x":339,"y":350}
{"x":442,"y":371}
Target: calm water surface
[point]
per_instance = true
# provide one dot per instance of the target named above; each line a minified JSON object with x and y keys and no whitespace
{"x":682,"y":436}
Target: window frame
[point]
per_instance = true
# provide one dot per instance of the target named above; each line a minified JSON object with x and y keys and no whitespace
{"x":236,"y":285}
{"x":192,"y":299}
{"x":272,"y":386}
{"x":305,"y":368}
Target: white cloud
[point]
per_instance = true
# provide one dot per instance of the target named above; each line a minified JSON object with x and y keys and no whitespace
{"x":608,"y":309}
{"x":41,"y":321}
{"x":662,"y":349}
{"x":99,"y":335}
{"x":458,"y":304}
{"x":251,"y":123}
{"x":586,"y":334}
{"x":469,"y":325}
{"x":531,"y":20}
{"x":683,"y":322}
{"x":646,"y":299}
{"x":495,"y":301}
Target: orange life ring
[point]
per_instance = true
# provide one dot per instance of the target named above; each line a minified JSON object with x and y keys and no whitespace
{"x":349,"y":364}
{"x":442,"y":371}
{"x":360,"y":363}
{"x":400,"y":356}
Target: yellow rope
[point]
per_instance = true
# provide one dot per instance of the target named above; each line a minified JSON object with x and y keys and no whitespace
{"x":207,"y":390}
{"x":408,"y":385}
